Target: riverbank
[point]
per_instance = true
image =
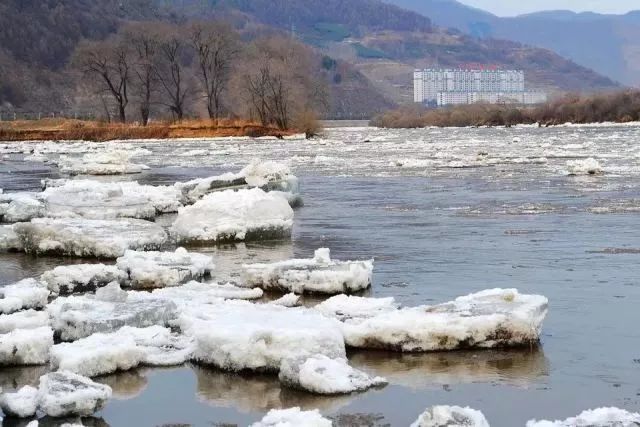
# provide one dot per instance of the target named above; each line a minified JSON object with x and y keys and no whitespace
{"x":71,"y":130}
{"x":620,"y":107}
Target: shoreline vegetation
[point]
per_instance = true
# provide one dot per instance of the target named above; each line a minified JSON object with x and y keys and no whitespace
{"x":619,"y":107}
{"x":97,"y":131}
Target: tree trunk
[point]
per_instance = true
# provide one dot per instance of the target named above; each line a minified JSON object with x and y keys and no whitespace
{"x":122,"y":114}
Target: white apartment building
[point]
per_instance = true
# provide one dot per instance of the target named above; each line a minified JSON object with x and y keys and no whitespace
{"x":447,"y":87}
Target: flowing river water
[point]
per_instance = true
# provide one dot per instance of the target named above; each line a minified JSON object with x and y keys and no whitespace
{"x":444,"y":212}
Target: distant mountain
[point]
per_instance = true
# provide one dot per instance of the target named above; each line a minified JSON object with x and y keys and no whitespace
{"x":608,"y":44}
{"x":376,"y":45}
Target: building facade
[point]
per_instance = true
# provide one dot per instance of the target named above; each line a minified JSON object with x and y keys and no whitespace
{"x":454,"y":87}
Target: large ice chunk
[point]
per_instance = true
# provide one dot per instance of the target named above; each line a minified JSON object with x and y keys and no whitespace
{"x":29,"y":319}
{"x":22,"y":403}
{"x":26,"y":346}
{"x":89,"y":238}
{"x":234,"y":215}
{"x":25,"y":294}
{"x":101,"y":354}
{"x":112,"y":162}
{"x":600,"y":417}
{"x":68,"y":279}
{"x":101,"y":200}
{"x":454,"y":416}
{"x":293,"y":417}
{"x":319,"y":274}
{"x":269,"y":175}
{"x":237,"y":335}
{"x":15,"y":207}
{"x":65,"y":393}
{"x":323,"y":375}
{"x":492,"y":318}
{"x":77,"y":317}
{"x":162,"y":269}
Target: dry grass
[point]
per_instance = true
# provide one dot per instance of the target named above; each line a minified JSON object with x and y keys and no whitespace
{"x":66,"y":129}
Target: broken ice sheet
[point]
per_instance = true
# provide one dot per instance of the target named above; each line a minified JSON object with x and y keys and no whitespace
{"x":600,"y":417}
{"x":65,"y":393}
{"x":162,"y":269}
{"x":293,"y":417}
{"x":68,"y":279}
{"x":491,"y":318}
{"x":89,"y":238}
{"x":233,"y":216}
{"x":443,"y":416}
{"x":26,"y":346}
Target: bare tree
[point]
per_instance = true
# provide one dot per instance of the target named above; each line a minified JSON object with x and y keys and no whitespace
{"x":172,"y":72}
{"x":280,"y":79}
{"x":143,"y":39}
{"x":107,"y":63}
{"x":216,"y":47}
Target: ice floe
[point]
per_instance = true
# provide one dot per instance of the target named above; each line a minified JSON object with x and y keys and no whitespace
{"x":111,"y":162}
{"x":234,"y":215}
{"x":77,"y":317}
{"x":491,"y":318}
{"x":600,"y":417}
{"x":323,"y":375}
{"x":293,"y":417}
{"x":588,"y":166}
{"x":28,"y":319}
{"x":67,"y":279}
{"x":454,"y":416}
{"x":124,"y":349}
{"x":22,"y":403}
{"x":237,"y":335}
{"x":65,"y":393}
{"x":23,"y":295}
{"x":319,"y":274}
{"x":9,"y":240}
{"x":193,"y":294}
{"x":268,"y":175}
{"x":89,"y":237}
{"x":288,"y":300}
{"x":26,"y":346}
{"x":162,"y":269}
{"x":345,"y":307}
{"x":15,"y":207}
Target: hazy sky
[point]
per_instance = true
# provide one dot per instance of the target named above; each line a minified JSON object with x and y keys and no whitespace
{"x":515,"y":7}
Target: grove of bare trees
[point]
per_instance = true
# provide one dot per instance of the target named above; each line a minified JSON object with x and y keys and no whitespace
{"x":173,"y":71}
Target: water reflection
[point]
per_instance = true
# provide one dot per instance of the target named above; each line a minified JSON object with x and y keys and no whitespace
{"x":127,"y":384}
{"x":19,"y":376}
{"x":258,"y":393}
{"x":519,"y":368}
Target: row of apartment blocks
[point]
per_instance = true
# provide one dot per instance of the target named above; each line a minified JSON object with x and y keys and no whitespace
{"x":454,"y":87}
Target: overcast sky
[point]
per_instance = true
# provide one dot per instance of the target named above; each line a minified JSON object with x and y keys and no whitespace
{"x":516,"y":7}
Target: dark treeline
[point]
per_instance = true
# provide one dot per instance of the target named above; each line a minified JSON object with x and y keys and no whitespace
{"x":618,"y":107}
{"x":199,"y":69}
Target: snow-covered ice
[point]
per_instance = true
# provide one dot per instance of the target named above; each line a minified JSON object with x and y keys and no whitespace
{"x":237,"y":335}
{"x":124,"y":349}
{"x":110,"y":162}
{"x":234,"y":215}
{"x":26,"y":346}
{"x":67,"y":279}
{"x":588,"y":166}
{"x":600,"y":417}
{"x":345,"y":307}
{"x":89,"y":238}
{"x":288,"y":300}
{"x":451,"y":416}
{"x":23,"y":295}
{"x":293,"y":417}
{"x":9,"y":240}
{"x":28,"y":319}
{"x":193,"y":294}
{"x":16,"y":207}
{"x":102,"y":200}
{"x":21,"y":404}
{"x":77,"y":317}
{"x":268,"y":175}
{"x":323,"y":375}
{"x":319,"y":274}
{"x":162,"y":269}
{"x":65,"y":393}
{"x":491,"y":318}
